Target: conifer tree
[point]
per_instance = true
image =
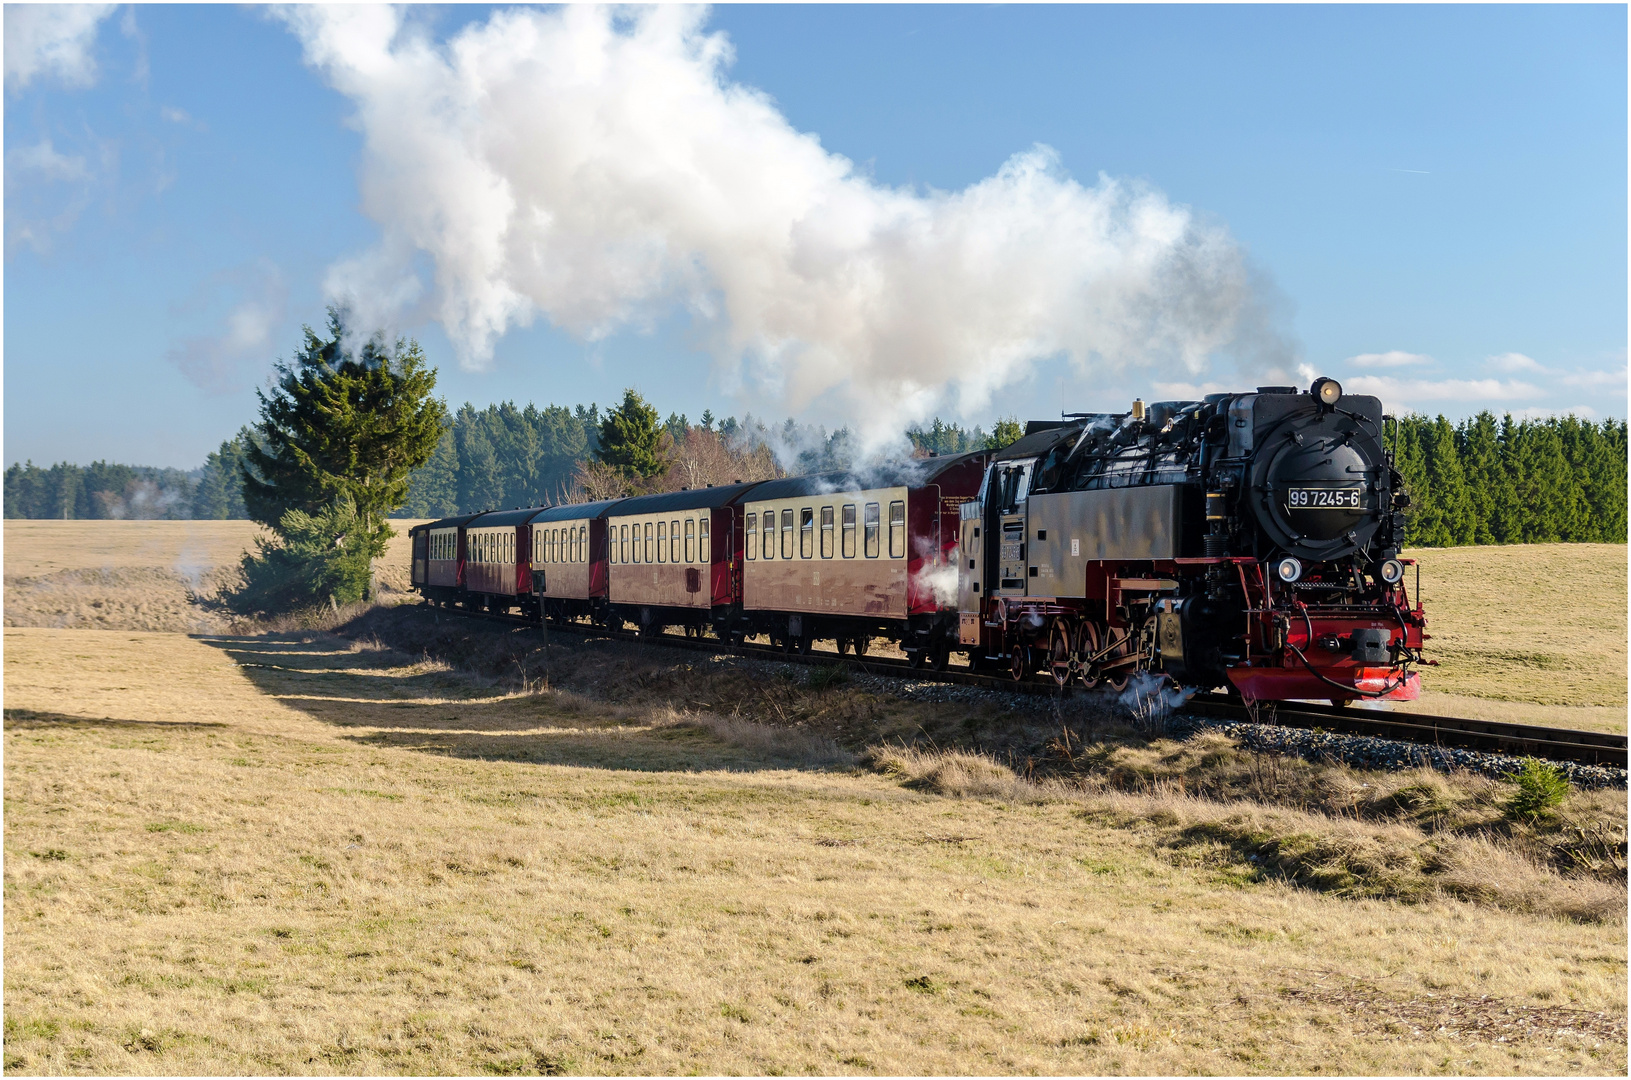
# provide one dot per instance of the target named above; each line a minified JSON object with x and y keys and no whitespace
{"x":220,"y":492}
{"x":342,"y":421}
{"x":1005,"y":432}
{"x":481,"y":485}
{"x":1479,"y":444}
{"x":632,"y":441}
{"x":433,"y":490}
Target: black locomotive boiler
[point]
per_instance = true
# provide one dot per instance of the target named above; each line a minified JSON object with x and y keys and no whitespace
{"x":1248,"y":541}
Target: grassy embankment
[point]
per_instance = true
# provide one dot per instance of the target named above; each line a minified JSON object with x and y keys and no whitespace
{"x":303,"y":853}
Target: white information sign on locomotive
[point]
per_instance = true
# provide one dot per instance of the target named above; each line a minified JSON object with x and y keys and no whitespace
{"x":1323,"y":498}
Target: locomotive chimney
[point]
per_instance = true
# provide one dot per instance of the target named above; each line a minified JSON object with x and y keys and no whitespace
{"x":1138,"y":408}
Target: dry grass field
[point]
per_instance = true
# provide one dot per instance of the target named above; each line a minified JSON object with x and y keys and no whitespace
{"x":135,"y":575}
{"x":464,"y":852}
{"x":296,"y":853}
{"x":1531,"y":633}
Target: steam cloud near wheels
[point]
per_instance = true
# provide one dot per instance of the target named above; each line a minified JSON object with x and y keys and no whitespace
{"x":598,"y":168}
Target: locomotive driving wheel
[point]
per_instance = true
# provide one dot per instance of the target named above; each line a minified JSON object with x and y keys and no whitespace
{"x":1059,"y":657}
{"x":1087,"y":646}
{"x":1120,"y":646}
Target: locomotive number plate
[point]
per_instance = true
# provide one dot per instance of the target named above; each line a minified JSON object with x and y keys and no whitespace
{"x":1323,"y":498}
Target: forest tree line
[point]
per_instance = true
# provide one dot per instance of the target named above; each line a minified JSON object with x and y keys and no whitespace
{"x":1485,"y":480}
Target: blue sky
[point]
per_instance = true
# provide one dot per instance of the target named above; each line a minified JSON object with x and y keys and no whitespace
{"x":1427,"y":202}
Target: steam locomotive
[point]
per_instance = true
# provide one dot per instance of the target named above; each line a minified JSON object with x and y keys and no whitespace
{"x":1246,"y":541}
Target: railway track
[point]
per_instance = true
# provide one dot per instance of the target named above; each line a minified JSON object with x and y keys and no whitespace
{"x":1519,"y":740}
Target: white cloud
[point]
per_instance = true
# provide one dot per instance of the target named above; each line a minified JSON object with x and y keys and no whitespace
{"x":46,"y":190}
{"x":1393,"y":358}
{"x":1539,"y":412}
{"x":217,"y":363}
{"x":1590,"y":380}
{"x":596,"y":167}
{"x":43,"y":158}
{"x":52,"y":40}
{"x":1411,"y":393}
{"x":1513,"y":362}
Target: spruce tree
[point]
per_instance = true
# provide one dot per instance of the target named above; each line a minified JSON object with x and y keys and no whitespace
{"x":433,"y":490}
{"x":481,"y":483}
{"x":342,"y":421}
{"x":1005,"y":432}
{"x":1479,"y":441}
{"x":219,"y":493}
{"x":632,"y":441}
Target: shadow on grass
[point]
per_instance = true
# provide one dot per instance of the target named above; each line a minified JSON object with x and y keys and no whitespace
{"x":33,"y":719}
{"x":379,"y":698}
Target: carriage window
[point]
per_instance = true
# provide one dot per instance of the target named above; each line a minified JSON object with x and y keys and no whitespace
{"x":623,"y":542}
{"x":753,"y":536}
{"x":639,"y":546}
{"x":690,"y":540}
{"x":673,"y":541}
{"x":572,"y":551}
{"x":897,"y":530}
{"x":705,"y":554}
{"x":848,"y":541}
{"x":787,"y":534}
{"x":649,"y":552}
{"x":583,"y":543}
{"x":826,"y":532}
{"x":806,"y":533}
{"x":871,"y":530}
{"x":662,"y":541}
{"x":769,"y":525}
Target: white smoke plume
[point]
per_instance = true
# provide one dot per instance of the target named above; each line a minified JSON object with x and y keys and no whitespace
{"x":597,"y":167}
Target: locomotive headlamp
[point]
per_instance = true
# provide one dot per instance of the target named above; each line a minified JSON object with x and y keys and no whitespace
{"x":1329,"y":391}
{"x":1288,"y":569}
{"x":1391,"y":571}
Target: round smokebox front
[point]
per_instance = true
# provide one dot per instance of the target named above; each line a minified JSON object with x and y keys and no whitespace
{"x":1317,"y":485}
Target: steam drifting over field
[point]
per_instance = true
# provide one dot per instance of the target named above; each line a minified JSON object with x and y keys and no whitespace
{"x":597,"y":167}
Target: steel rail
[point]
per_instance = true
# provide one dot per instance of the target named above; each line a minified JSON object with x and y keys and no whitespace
{"x":1522,"y":740}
